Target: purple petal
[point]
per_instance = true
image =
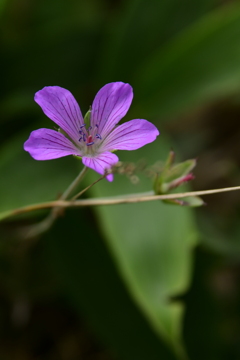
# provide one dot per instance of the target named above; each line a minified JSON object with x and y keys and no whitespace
{"x":130,"y":136}
{"x":110,"y":106}
{"x":101,"y":162}
{"x":61,"y":107}
{"x":46,"y":144}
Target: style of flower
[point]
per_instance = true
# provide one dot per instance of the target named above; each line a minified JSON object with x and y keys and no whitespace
{"x":95,"y":141}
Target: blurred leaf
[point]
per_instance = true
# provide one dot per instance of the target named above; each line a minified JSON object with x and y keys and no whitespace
{"x":2,"y":6}
{"x":152,"y":245}
{"x":200,"y":64}
{"x":25,"y":181}
{"x":90,"y":282}
{"x":213,"y":304}
{"x":4,"y":214}
{"x":140,"y":28}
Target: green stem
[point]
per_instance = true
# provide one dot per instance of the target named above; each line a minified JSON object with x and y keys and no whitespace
{"x":74,"y":184}
{"x":87,"y":188}
{"x":36,"y":229}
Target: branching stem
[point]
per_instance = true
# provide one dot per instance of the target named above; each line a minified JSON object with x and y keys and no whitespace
{"x":31,"y":231}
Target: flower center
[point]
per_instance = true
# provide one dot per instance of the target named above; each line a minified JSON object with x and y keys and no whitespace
{"x":89,"y":135}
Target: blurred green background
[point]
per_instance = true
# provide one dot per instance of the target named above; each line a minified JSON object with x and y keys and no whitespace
{"x":145,"y":281}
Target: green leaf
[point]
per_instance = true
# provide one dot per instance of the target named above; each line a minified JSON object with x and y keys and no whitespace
{"x":143,"y":27}
{"x":152,"y":245}
{"x":2,"y":6}
{"x":4,"y":214}
{"x":200,"y":64}
{"x":89,"y":281}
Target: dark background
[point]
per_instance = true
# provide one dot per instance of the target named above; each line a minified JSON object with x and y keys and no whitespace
{"x":66,"y":294}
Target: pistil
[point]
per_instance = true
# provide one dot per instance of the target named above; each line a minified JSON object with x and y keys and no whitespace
{"x":89,"y":135}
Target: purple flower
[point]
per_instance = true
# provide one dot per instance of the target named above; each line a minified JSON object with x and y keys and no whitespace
{"x":94,"y":142}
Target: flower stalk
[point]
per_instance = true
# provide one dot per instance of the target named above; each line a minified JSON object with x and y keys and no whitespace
{"x":124,"y":199}
{"x":74,"y":184}
{"x":44,"y":225}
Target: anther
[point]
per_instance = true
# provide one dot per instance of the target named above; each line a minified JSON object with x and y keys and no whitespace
{"x":84,"y":137}
{"x":98,"y":136}
{"x":90,"y":128}
{"x":80,"y":138}
{"x":82,"y":126}
{"x":96,"y":125}
{"x":91,"y":143}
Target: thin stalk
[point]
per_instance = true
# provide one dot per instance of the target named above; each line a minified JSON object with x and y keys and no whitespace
{"x":87,"y":188}
{"x":74,"y":184}
{"x":125,"y":199}
{"x":36,"y":229}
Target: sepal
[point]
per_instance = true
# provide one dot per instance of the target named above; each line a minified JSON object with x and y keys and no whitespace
{"x":192,"y":201}
{"x":87,"y":118}
{"x":172,"y":176}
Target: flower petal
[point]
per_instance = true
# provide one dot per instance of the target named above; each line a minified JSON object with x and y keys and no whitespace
{"x":46,"y":144}
{"x":110,"y":106}
{"x":61,"y":107}
{"x":130,"y":136}
{"x":101,"y":162}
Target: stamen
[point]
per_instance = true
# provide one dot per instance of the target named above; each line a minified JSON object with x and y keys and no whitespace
{"x":80,"y":132}
{"x":82,"y":126}
{"x":98,"y":136}
{"x":80,"y":138}
{"x":91,"y":143}
{"x":84,"y":137}
{"x":90,"y":128}
{"x":96,"y":125}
